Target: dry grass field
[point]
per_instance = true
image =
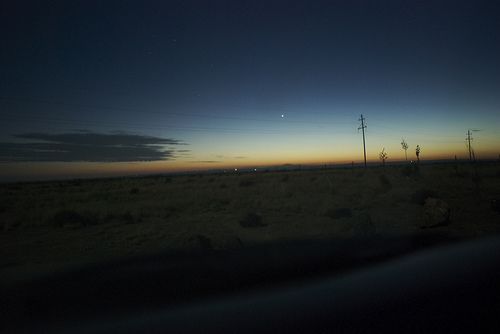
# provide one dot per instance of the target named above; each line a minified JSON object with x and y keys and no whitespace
{"x":87,"y":220}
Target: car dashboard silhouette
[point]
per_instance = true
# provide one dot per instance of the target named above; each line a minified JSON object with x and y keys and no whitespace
{"x":379,"y":284}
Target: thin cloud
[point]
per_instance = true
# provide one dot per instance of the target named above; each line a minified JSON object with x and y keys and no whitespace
{"x":87,"y":146}
{"x":220,"y":156}
{"x":205,"y":161}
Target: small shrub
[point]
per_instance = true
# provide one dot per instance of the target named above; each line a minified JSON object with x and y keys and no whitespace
{"x":134,"y":191}
{"x":339,"y":213}
{"x":252,"y":220}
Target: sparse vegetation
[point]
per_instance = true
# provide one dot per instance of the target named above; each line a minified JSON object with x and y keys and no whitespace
{"x":404,"y":146}
{"x":383,"y":156}
{"x":107,"y":217}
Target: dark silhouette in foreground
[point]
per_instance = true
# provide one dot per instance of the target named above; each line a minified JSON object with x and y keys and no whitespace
{"x":377,"y":284}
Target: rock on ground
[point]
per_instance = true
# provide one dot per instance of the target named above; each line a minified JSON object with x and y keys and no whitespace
{"x":436,"y":212}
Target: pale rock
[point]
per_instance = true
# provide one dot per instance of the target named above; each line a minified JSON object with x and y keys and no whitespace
{"x":436,"y":212}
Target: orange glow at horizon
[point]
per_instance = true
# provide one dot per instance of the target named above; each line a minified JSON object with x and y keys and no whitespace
{"x":72,"y":170}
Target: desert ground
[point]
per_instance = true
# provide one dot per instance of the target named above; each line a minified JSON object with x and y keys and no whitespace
{"x":86,"y":220}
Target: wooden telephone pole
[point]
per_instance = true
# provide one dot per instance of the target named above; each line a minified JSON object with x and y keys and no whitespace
{"x":362,"y":127}
{"x":470,"y":149}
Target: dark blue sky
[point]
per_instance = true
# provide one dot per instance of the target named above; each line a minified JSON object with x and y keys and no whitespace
{"x":217,"y":76}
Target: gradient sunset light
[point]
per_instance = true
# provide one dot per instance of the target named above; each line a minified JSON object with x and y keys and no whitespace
{"x":100,"y":89}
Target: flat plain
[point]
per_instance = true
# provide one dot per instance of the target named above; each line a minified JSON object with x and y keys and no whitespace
{"x":91,"y":220}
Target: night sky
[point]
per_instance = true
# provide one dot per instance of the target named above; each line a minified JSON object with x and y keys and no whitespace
{"x":99,"y":88}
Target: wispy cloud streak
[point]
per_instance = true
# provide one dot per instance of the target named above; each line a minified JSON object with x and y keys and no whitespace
{"x":87,"y":146}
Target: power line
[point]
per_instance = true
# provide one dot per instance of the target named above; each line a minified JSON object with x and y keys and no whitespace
{"x":410,"y":131}
{"x":113,"y":92}
{"x":164,"y":127}
{"x":164,"y":113}
{"x":383,"y":135}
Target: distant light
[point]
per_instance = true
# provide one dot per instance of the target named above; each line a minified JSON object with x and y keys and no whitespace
{"x":236,"y":169}
{"x":255,"y":169}
{"x":282,"y":115}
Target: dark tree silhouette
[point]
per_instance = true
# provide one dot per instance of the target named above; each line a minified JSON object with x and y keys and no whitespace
{"x":417,"y":153}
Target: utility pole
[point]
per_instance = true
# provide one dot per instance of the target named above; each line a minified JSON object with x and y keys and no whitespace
{"x":470,"y":149}
{"x":362,"y":127}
